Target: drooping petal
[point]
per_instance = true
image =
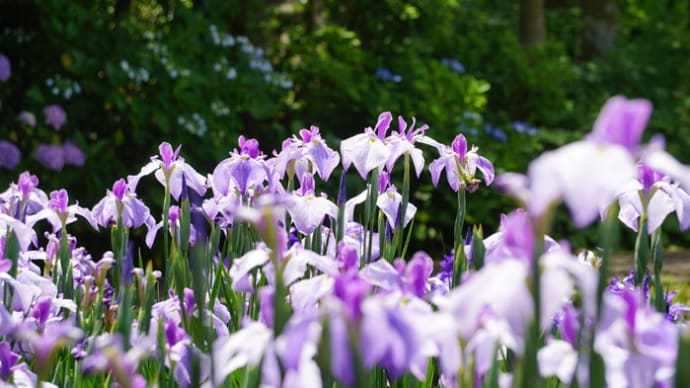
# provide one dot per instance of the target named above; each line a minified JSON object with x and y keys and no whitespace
{"x":658,"y":208}
{"x":586,"y":175}
{"x":365,"y":151}
{"x":242,"y":348}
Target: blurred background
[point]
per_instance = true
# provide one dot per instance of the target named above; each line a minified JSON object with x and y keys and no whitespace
{"x":88,"y":89}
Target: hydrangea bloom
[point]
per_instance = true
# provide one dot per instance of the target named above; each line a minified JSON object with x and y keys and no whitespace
{"x":9,"y":155}
{"x":5,"y":68}
{"x":27,"y":118}
{"x":50,"y":156}
{"x":55,"y":116}
{"x":73,"y":154}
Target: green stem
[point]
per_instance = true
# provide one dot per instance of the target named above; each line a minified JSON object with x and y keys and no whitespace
{"x":166,"y":238}
{"x":458,"y":243}
{"x":641,"y":250}
{"x":405,"y":199}
{"x":658,"y":260}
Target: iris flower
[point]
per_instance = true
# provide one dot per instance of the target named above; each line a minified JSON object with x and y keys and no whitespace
{"x":585,"y":174}
{"x":170,"y":169}
{"x":367,"y":150}
{"x":309,"y":147}
{"x":59,"y":214}
{"x":661,"y":197}
{"x":244,"y":170}
{"x":460,"y":165}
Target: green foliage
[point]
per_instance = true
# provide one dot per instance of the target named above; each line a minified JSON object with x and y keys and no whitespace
{"x":151,"y":72}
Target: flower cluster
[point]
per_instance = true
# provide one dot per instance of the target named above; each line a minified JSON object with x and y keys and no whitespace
{"x":265,"y":280}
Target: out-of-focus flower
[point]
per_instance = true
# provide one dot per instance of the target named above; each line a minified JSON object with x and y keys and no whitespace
{"x":523,"y":127}
{"x":7,"y":361}
{"x":586,"y":174}
{"x":453,"y":64}
{"x":73,"y":154}
{"x":387,"y":75}
{"x":389,"y":337}
{"x":9,"y":155}
{"x":5,"y":68}
{"x":621,"y":122}
{"x":55,"y":116}
{"x":638,"y":345}
{"x":50,"y":156}
{"x":244,"y":347}
{"x":27,"y":118}
{"x":108,"y":355}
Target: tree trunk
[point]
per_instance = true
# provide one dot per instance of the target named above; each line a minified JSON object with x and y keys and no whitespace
{"x":532,"y":24}
{"x":599,"y":32}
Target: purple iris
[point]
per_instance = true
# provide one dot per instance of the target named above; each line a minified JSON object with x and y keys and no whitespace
{"x":170,"y":170}
{"x":621,"y":122}
{"x":244,"y":170}
{"x":7,"y":360}
{"x":460,"y":165}
{"x":352,"y":290}
{"x":367,"y":151}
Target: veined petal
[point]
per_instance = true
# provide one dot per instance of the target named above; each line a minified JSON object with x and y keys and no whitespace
{"x":45,"y":214}
{"x":150,"y":167}
{"x":658,"y":208}
{"x":587,"y":175}
{"x":24,"y":233}
{"x":85,"y":213}
{"x":365,"y":151}
{"x":324,"y":159}
{"x":681,"y":202}
{"x":241,"y":266}
{"x":389,"y":202}
{"x":309,"y":211}
{"x":436,"y":168}
{"x":242,"y":348}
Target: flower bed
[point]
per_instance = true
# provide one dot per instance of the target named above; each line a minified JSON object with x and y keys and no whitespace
{"x":267,"y":281}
